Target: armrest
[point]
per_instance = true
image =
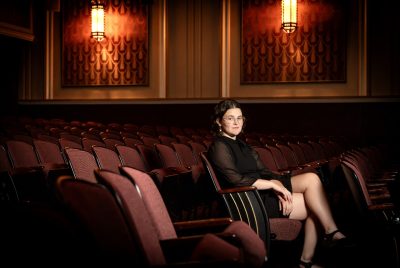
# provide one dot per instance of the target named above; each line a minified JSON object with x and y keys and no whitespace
{"x":380,"y":197}
{"x":237,"y":189}
{"x":377,"y":184}
{"x":381,"y":206}
{"x":202,"y":226}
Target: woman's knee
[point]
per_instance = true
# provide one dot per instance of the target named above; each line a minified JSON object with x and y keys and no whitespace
{"x":313,"y":178}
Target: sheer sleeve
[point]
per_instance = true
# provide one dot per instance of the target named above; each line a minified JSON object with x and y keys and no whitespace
{"x":263,"y":170}
{"x":224,"y":164}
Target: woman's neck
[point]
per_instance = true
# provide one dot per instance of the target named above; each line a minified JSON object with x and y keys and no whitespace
{"x":226,"y":135}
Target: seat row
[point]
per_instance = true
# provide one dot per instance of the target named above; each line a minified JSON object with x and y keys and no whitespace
{"x":135,"y":225}
{"x":372,"y":176}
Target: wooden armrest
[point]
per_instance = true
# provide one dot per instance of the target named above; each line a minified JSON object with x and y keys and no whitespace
{"x":202,"y":226}
{"x":237,"y":189}
{"x":382,"y":206}
{"x":204,"y":222}
{"x":376,"y":185}
{"x":380,"y":197}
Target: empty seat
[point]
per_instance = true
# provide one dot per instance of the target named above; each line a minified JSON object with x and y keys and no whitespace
{"x":130,"y":156}
{"x":87,"y":143}
{"x":66,"y":143}
{"x":144,"y":232}
{"x":149,"y":140}
{"x":267,"y":158}
{"x":110,"y":143}
{"x":27,"y":173}
{"x":253,"y":246}
{"x":167,"y":140}
{"x":100,"y":217}
{"x":82,"y":163}
{"x":106,"y":158}
{"x":71,"y":137}
{"x":48,"y":152}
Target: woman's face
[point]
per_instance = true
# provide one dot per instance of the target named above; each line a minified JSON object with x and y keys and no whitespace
{"x":231,"y":123}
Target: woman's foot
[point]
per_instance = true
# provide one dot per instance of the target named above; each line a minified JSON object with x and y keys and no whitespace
{"x":308,"y":264}
{"x":336,"y":238}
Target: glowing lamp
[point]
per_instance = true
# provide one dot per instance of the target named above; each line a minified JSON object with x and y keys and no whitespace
{"x":289,"y":15}
{"x":97,"y":16}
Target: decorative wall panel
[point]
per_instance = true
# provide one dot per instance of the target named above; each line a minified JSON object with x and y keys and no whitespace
{"x":121,"y":59}
{"x":315,"y":52}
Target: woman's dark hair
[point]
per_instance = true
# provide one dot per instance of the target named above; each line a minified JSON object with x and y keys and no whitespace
{"x":220,"y":110}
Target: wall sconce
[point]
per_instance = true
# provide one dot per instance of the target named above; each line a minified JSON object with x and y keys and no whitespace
{"x":289,"y":15}
{"x":98,"y":21}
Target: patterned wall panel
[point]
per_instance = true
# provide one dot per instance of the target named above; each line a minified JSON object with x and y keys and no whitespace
{"x":315,"y":52}
{"x":121,"y":59}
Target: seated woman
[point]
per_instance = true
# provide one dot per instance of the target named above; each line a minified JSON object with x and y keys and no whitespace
{"x":300,"y":197}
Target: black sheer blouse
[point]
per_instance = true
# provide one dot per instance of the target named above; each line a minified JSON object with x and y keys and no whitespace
{"x":238,"y":164}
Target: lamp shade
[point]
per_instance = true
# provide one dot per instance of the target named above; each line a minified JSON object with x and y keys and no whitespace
{"x":97,"y":17}
{"x":289,"y":15}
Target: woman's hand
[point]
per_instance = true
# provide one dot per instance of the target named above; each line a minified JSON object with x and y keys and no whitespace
{"x":277,"y":187}
{"x":285,"y":206}
{"x":281,"y":191}
{"x":285,"y":197}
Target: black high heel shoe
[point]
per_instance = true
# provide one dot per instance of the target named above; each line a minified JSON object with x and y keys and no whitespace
{"x":329,"y":242}
{"x":305,"y":264}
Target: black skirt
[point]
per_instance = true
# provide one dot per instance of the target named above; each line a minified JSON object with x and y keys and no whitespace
{"x":271,"y":201}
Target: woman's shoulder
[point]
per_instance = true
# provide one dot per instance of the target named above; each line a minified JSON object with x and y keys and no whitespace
{"x":218,"y":143}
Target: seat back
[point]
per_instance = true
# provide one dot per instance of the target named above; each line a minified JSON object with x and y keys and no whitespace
{"x":82,"y":163}
{"x":132,"y":141}
{"x":309,"y":152}
{"x":301,"y":158}
{"x":244,"y":205}
{"x":318,"y":149}
{"x":280,"y":159}
{"x":266,"y":157}
{"x":23,"y":137}
{"x":139,"y":221}
{"x":167,"y":140}
{"x":182,"y":138}
{"x":98,"y":212}
{"x":106,"y":158}
{"x":66,"y":143}
{"x":70,"y":137}
{"x":355,"y":180}
{"x":150,"y":140}
{"x":21,"y":154}
{"x":185,"y":154}
{"x":197,"y":148}
{"x":8,"y":192}
{"x":5,"y":164}
{"x":153,"y":201}
{"x":167,"y":155}
{"x":87,"y":143}
{"x":130,"y":156}
{"x":149,"y":155}
{"x":130,"y":127}
{"x":288,"y":154}
{"x":110,"y":134}
{"x":111,"y":142}
{"x":47,"y":137}
{"x":148,"y":130}
{"x":48,"y":152}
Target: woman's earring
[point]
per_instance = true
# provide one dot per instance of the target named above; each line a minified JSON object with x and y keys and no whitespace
{"x":220,"y":128}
